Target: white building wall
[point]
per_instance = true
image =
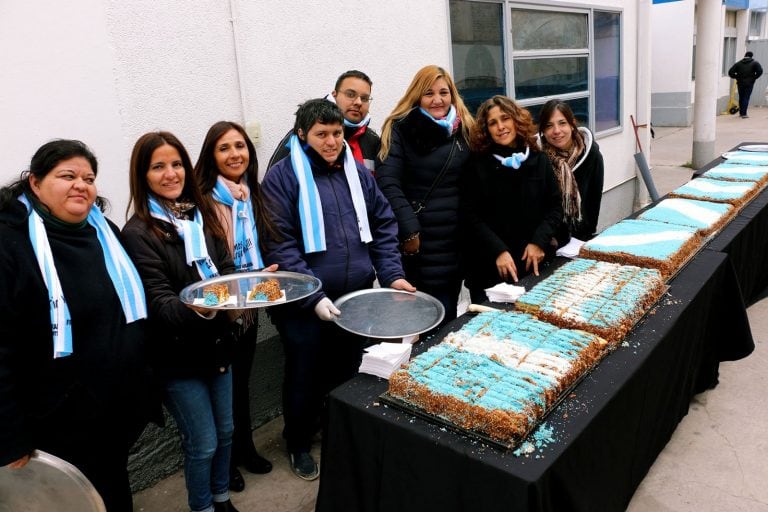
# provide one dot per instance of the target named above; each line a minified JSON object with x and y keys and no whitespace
{"x":672,"y":29}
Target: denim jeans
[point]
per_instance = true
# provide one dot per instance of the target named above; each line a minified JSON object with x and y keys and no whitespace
{"x":202,"y":408}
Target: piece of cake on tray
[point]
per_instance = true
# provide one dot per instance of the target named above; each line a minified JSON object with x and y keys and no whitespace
{"x":736,"y":193}
{"x":603,"y":298}
{"x":645,"y":243}
{"x":497,"y":375}
{"x":705,"y":216}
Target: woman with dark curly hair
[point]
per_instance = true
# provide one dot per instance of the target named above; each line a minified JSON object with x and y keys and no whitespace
{"x":510,"y":200}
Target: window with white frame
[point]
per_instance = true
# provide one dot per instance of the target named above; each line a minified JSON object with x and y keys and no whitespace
{"x":729,"y":41}
{"x":756,"y":23}
{"x":543,"y":53}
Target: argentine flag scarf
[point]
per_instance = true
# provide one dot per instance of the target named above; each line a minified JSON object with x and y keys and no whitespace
{"x":246,"y":247}
{"x":191,"y":231}
{"x":310,"y":206}
{"x":120,"y":268}
{"x":448,"y":123}
{"x":515,"y":160}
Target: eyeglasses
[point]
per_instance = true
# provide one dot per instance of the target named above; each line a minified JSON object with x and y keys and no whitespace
{"x":352,"y":95}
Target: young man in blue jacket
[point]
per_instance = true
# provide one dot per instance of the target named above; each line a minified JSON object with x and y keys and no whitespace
{"x":335,"y":224}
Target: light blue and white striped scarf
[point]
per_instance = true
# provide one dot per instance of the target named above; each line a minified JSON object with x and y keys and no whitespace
{"x":191,"y":231}
{"x":310,"y":206}
{"x":515,"y":160}
{"x":121,"y":271}
{"x":447,"y":122}
{"x":246,"y":240}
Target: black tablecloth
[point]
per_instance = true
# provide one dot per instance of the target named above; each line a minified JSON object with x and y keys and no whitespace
{"x":745,"y":240}
{"x":608,"y":431}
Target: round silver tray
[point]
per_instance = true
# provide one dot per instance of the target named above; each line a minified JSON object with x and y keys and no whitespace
{"x":294,"y":286}
{"x":47,"y":482}
{"x":388,"y":313}
{"x":755,"y":147}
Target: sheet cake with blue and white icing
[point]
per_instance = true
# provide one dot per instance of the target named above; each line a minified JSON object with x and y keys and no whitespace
{"x":498,"y":374}
{"x":644,"y":243}
{"x":705,"y":216}
{"x":603,"y":298}
{"x":747,"y":157}
{"x":720,"y":191}
{"x":737,"y":172}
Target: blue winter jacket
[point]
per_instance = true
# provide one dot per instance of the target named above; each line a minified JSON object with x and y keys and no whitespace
{"x":347,"y":264}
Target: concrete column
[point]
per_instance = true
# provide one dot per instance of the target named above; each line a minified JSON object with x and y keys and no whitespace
{"x":708,"y":41}
{"x":643,"y":98}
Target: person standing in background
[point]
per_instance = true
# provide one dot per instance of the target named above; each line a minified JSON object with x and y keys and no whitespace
{"x":352,"y":93}
{"x":745,"y":72}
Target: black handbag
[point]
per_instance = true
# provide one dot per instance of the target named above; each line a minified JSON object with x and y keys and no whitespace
{"x":418,"y":206}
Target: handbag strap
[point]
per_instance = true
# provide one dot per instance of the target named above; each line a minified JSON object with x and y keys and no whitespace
{"x":423,"y":203}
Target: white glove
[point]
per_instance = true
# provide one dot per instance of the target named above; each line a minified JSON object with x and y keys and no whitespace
{"x":325,"y":310}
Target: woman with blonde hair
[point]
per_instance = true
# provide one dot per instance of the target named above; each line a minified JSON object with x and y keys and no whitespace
{"x":510,"y":208}
{"x":424,"y":148}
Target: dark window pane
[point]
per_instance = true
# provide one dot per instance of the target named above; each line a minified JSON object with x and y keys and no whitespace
{"x":607,"y":54}
{"x":478,"y":52}
{"x":550,"y":76}
{"x":543,"y":30}
{"x":579,"y":106}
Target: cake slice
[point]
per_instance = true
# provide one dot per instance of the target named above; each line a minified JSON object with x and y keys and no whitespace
{"x":705,"y":216}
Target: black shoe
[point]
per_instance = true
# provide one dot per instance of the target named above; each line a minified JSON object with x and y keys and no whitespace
{"x":304,"y":466}
{"x":256,"y":464}
{"x":224,"y":506}
{"x":236,"y":482}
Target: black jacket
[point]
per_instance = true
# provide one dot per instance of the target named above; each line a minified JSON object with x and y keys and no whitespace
{"x":505,"y":209}
{"x":370,"y":143}
{"x":418,"y":151}
{"x":107,"y":374}
{"x":181,"y":343}
{"x":746,"y":71}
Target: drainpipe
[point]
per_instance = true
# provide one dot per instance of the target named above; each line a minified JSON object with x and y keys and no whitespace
{"x":708,"y":41}
{"x":643,"y":92}
{"x":238,"y":63}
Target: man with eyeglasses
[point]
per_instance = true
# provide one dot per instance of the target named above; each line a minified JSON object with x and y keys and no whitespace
{"x":352,"y":94}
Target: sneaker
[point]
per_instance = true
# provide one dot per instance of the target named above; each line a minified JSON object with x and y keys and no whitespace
{"x":745,"y":117}
{"x":304,"y":466}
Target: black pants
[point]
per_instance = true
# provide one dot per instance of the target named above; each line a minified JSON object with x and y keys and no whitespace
{"x":745,"y":91}
{"x":97,"y":443}
{"x":319,"y":356}
{"x":242,"y":363}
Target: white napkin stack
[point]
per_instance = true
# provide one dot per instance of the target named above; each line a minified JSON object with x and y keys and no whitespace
{"x":571,"y":249}
{"x":383,"y":359}
{"x":504,"y":292}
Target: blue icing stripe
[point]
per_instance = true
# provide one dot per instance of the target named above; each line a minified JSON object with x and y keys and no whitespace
{"x":650,"y":239}
{"x":684,"y":212}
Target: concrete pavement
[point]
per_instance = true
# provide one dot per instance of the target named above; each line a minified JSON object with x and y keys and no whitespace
{"x":715,"y":460}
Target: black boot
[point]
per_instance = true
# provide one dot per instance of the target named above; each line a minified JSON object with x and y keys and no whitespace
{"x":224,"y":506}
{"x":236,"y":481}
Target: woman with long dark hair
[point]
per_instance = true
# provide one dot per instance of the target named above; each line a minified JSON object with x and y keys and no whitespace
{"x":227,"y":171}
{"x":176,"y":239}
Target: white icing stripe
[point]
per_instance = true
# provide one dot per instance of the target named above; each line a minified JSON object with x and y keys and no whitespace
{"x":690,"y":210}
{"x":744,"y":169}
{"x":638,"y":239}
{"x":708,"y":186}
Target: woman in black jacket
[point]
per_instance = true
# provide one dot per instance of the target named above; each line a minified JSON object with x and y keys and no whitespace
{"x":74,"y":380}
{"x":510,"y":199}
{"x":423,"y":151}
{"x":176,"y":239}
{"x":578,"y":166}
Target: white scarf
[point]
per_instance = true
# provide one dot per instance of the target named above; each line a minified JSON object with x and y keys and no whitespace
{"x":310,"y":205}
{"x":120,"y":268}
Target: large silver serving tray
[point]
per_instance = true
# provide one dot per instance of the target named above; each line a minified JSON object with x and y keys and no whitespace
{"x":293,"y":285}
{"x":47,"y":483}
{"x":388,"y":313}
